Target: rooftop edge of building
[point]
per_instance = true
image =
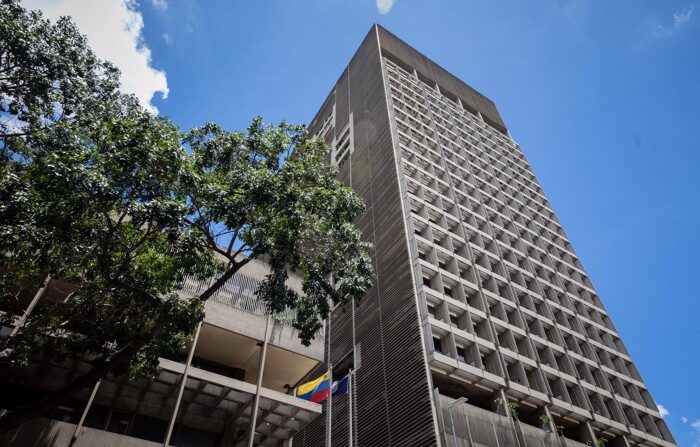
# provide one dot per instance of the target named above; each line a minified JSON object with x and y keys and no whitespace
{"x":410,"y":59}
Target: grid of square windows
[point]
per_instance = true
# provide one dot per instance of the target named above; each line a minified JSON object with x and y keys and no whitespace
{"x":500,"y":285}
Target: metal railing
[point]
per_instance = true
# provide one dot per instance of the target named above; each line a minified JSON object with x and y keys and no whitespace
{"x":238,"y":292}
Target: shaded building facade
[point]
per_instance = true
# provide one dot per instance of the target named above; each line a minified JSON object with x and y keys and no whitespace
{"x":240,"y":359}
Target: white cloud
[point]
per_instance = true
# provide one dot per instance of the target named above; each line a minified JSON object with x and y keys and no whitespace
{"x":664,"y":412}
{"x":167,"y":39}
{"x":113,"y":29}
{"x":696,"y":430}
{"x":384,"y":6}
{"x":160,"y":4}
{"x":684,"y":419}
{"x":680,"y":18}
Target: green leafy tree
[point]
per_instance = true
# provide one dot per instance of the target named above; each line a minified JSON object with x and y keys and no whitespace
{"x":47,"y":72}
{"x":268,"y":192}
{"x":113,"y":207}
{"x":95,"y":210}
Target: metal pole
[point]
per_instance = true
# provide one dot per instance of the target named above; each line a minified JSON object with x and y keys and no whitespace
{"x":350,"y":421}
{"x":256,"y":400}
{"x":452,"y":426}
{"x":452,"y":420}
{"x":355,"y":355}
{"x":76,"y":433}
{"x":290,"y":443}
{"x":329,"y":402}
{"x":469,"y":429}
{"x":37,"y":296}
{"x":171,"y":425}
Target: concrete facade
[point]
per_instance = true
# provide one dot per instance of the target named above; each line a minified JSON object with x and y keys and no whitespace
{"x":239,"y":360}
{"x":483,"y":327}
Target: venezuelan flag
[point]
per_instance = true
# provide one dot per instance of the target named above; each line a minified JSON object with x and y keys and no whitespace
{"x":316,"y":390}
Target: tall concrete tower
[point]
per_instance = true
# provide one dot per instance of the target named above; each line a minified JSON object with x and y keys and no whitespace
{"x":483,"y":327}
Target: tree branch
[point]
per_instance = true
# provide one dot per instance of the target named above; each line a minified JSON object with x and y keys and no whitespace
{"x":212,"y":242}
{"x":204,"y":296}
{"x":233,"y":239}
{"x":135,"y":290}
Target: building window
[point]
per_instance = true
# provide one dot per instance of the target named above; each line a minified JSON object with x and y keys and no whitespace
{"x":437,"y":344}
{"x":461,"y":353}
{"x":344,"y":144}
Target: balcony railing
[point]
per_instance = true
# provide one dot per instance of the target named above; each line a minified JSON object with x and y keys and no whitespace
{"x":238,"y":292}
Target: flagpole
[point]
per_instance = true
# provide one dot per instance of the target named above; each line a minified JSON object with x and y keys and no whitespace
{"x":329,"y":402}
{"x":291,"y":441}
{"x":350,"y":421}
{"x":351,"y":392}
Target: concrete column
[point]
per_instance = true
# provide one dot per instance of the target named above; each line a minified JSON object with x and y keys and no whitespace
{"x":37,"y":297}
{"x":77,"y":431}
{"x":504,"y":398}
{"x":513,"y":421}
{"x":261,"y":370}
{"x":440,"y":420}
{"x":171,"y":425}
{"x":590,"y":432}
{"x":552,"y":425}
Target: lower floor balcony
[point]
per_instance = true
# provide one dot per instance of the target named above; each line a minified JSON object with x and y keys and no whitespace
{"x":213,"y":410}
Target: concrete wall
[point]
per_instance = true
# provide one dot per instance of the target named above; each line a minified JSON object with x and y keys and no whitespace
{"x":49,"y":433}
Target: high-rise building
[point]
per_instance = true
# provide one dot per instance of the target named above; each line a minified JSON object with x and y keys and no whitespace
{"x":483,"y":327}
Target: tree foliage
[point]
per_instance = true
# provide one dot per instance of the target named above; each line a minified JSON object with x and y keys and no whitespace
{"x":47,"y":72}
{"x":269,"y":192}
{"x":95,"y":207}
{"x":114,"y":206}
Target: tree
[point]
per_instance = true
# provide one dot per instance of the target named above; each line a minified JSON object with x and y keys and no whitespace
{"x":96,"y":208}
{"x":269,"y":192}
{"x":117,"y":206}
{"x":47,"y":72}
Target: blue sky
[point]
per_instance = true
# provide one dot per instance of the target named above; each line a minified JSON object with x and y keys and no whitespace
{"x":602,"y":96}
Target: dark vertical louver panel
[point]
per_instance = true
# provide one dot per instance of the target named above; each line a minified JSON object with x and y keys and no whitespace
{"x":393,"y":392}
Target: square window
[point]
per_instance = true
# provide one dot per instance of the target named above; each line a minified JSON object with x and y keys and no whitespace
{"x":437,"y":343}
{"x":461,"y":353}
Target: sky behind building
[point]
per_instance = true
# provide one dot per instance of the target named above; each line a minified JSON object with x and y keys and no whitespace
{"x":602,"y":96}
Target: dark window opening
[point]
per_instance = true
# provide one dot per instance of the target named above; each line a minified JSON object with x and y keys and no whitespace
{"x":343,"y":366}
{"x":461,"y":353}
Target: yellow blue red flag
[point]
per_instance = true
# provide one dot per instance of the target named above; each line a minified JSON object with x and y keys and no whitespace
{"x":316,"y":390}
